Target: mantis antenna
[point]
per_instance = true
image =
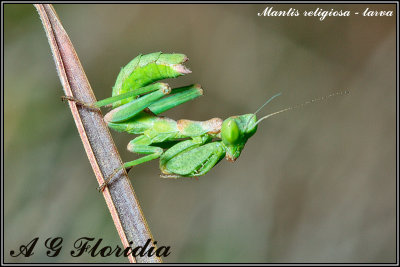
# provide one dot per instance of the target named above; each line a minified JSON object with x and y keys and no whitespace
{"x":303,"y":104}
{"x":269,"y":100}
{"x":263,"y":105}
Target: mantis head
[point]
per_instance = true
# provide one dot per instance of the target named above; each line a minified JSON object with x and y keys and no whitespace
{"x":236,"y":130}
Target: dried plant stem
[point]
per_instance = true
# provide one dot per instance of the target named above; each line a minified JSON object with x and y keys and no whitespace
{"x":100,"y":148}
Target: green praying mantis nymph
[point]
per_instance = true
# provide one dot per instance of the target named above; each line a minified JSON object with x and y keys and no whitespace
{"x":185,"y":148}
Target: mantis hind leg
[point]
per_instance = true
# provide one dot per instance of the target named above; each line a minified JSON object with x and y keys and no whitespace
{"x":135,"y":146}
{"x":114,"y":99}
{"x":155,"y":102}
{"x":140,"y":145}
{"x":80,"y":103}
{"x":140,"y":91}
{"x":177,"y":96}
{"x":131,"y":109}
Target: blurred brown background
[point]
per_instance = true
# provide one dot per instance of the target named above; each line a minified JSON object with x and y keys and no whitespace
{"x":313,"y":185}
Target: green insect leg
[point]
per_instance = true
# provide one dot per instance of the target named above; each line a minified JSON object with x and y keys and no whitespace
{"x":80,"y":103}
{"x":216,"y":152}
{"x":177,"y":96}
{"x":132,"y":108}
{"x":141,"y":145}
{"x":178,"y":149}
{"x":134,"y":93}
{"x":196,"y":161}
{"x":163,"y":87}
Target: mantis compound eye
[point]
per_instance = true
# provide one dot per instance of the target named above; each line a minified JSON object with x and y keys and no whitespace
{"x":230,"y":132}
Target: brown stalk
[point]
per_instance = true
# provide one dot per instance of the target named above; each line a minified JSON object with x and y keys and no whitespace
{"x":99,"y":146}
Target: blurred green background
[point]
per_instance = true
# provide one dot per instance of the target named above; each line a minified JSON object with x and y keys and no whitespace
{"x":313,"y":185}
